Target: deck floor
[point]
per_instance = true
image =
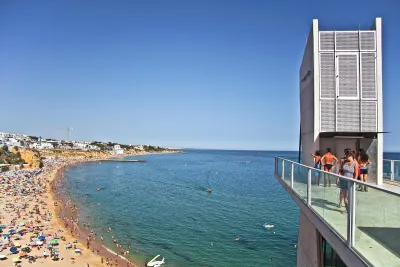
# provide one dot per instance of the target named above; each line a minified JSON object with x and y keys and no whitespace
{"x":377,"y":236}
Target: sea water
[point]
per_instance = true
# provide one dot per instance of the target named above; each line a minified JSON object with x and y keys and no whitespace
{"x":162,"y":207}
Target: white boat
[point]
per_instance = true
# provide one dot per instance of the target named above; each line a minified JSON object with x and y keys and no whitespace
{"x":154,"y":263}
{"x":268,"y":226}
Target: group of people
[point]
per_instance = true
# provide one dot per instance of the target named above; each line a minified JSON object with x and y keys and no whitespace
{"x":352,"y":165}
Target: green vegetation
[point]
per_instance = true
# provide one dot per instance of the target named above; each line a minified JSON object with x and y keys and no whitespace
{"x":7,"y":157}
{"x":102,"y":145}
{"x":126,"y":146}
{"x":153,"y":149}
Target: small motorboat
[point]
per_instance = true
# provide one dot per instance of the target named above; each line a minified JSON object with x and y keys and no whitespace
{"x":268,"y":226}
{"x":209,"y":190}
{"x":154,"y":263}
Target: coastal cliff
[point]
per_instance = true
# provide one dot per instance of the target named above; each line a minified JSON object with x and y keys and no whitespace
{"x":31,"y":157}
{"x":80,"y":154}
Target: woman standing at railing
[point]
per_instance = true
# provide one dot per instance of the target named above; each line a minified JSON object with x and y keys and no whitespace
{"x":342,"y":161}
{"x":348,"y":169}
{"x":317,"y":164}
{"x":363,"y":160}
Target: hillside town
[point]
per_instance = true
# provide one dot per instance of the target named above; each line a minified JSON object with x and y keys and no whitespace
{"x":25,"y":141}
{"x":21,"y":151}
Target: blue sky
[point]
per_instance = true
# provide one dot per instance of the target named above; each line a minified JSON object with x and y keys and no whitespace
{"x":203,"y":74}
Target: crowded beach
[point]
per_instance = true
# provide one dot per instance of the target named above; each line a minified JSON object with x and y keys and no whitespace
{"x":38,"y":225}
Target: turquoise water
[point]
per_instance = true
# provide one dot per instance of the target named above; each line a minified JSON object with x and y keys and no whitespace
{"x":161,"y":207}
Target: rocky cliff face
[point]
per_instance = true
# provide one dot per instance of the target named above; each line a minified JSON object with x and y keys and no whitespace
{"x":74,"y":153}
{"x":32,"y":157}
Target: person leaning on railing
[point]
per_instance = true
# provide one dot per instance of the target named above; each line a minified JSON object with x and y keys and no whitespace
{"x":349,"y":169}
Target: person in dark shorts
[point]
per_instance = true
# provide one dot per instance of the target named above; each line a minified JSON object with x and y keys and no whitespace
{"x":364,"y":162}
{"x":329,"y":160}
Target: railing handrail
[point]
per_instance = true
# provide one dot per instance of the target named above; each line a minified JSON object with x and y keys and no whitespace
{"x":396,"y":160}
{"x":343,"y":177}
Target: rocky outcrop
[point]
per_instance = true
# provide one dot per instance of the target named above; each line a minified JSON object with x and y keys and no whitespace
{"x":82,"y":154}
{"x":30,"y":156}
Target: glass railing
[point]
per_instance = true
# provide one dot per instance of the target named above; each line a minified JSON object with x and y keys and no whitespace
{"x":367,"y":221}
{"x":391,"y":170}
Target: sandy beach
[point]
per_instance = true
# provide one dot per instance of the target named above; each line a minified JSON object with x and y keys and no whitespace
{"x":38,"y":224}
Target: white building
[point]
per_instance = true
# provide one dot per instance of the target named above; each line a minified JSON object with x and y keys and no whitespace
{"x":139,"y":147}
{"x":42,"y":145}
{"x":341,"y":94}
{"x":93,"y":147}
{"x":117,"y":150}
{"x":11,"y":142}
{"x":80,"y":145}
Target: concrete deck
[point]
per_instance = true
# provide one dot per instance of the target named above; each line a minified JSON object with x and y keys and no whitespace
{"x":377,"y":218}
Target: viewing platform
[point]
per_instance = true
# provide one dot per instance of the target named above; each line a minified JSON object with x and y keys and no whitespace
{"x":365,"y":236}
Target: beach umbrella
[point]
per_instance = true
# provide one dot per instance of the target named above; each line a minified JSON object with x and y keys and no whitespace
{"x":3,"y":257}
{"x":13,"y":249}
{"x":39,"y":243}
{"x":77,"y":250}
{"x":16,"y":259}
{"x":11,"y":231}
{"x":22,"y":254}
{"x":54,"y":242}
{"x":41,"y":238}
{"x":5,"y":235}
{"x":26,"y":249}
{"x":22,"y":223}
{"x":16,"y":244}
{"x":49,"y":245}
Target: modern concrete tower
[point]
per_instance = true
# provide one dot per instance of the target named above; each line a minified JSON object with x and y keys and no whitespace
{"x":341,"y":94}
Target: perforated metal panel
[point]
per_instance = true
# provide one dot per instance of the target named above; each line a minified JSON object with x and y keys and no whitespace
{"x":347,"y":79}
{"x":367,"y":41}
{"x":348,"y":116}
{"x":346,"y":41}
{"x":368,"y":116}
{"x":327,"y":75}
{"x":328,"y":115}
{"x":368,"y":75}
{"x":326,"y":40}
